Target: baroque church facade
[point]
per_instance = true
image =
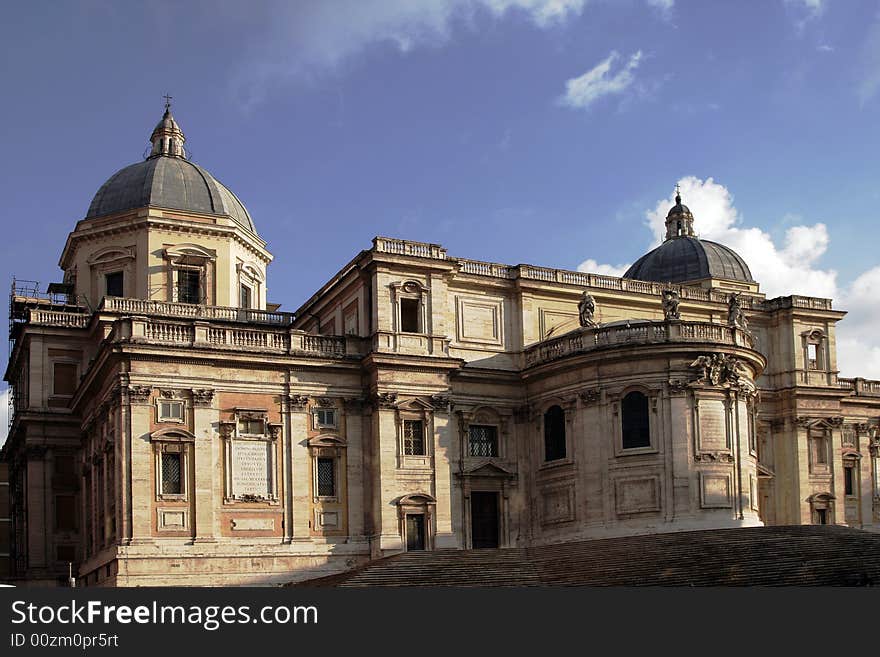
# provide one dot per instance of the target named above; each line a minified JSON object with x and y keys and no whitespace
{"x":170,"y":426}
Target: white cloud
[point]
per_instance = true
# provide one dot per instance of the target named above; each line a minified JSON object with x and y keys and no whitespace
{"x":858,"y":353}
{"x":591,"y":266}
{"x":582,"y":91}
{"x":307,"y":38}
{"x":665,"y":6}
{"x":781,"y":270}
{"x":805,"y":11}
{"x":792,"y":267}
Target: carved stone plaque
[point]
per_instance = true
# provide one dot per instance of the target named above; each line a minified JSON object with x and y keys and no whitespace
{"x":251,"y":461}
{"x":712,"y":428}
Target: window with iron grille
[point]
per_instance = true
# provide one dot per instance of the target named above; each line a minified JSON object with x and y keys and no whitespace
{"x":326,"y":474}
{"x":172,"y":481}
{"x":483,"y":440}
{"x":189,"y":286}
{"x":413,"y":438}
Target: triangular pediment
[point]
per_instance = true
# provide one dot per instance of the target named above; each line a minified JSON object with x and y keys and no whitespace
{"x":488,"y":469}
{"x":414,"y":404}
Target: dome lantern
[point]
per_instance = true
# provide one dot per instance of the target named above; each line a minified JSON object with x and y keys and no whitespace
{"x":679,"y":220}
{"x":167,"y":137}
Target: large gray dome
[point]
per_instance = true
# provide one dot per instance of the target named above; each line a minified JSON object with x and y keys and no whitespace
{"x":168,"y":182}
{"x":687,"y":258}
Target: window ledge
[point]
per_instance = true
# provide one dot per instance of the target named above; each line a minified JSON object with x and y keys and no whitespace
{"x":556,"y":463}
{"x":637,"y":451}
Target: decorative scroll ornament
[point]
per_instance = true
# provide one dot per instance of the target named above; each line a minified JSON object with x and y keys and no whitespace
{"x":718,"y":457}
{"x":386,"y":400}
{"x":139,"y":394}
{"x":353,"y":404}
{"x":297,"y":402}
{"x":670,"y":305}
{"x":677,"y":387}
{"x":586,"y":309}
{"x":440,"y":402}
{"x":202,"y":396}
{"x":724,"y":370}
{"x":590,"y":395}
{"x":326,"y":402}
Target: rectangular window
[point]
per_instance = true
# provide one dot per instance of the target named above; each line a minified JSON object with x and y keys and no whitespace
{"x":849,"y":481}
{"x":409,"y":316}
{"x":483,"y":440}
{"x":114,"y":283}
{"x":171,"y":411}
{"x":821,"y":450}
{"x":65,"y":513}
{"x":326,"y":474}
{"x":244,"y":296}
{"x":813,"y":356}
{"x":64,"y":379}
{"x":821,"y":516}
{"x":189,"y":286}
{"x":325,"y":418}
{"x":413,"y":438}
{"x":172,"y":473}
{"x":251,"y":426}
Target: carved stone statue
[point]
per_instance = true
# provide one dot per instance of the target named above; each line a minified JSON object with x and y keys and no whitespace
{"x":670,"y":305}
{"x":721,"y":369}
{"x":586,"y":308}
{"x":735,"y":315}
{"x":703,"y":363}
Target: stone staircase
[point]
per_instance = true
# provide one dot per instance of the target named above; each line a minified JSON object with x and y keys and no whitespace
{"x":758,"y":556}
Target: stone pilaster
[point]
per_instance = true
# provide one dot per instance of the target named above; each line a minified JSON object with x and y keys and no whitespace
{"x":206,"y":459}
{"x":300,"y":468}
{"x":446,"y":493}
{"x":354,"y":433}
{"x":386,"y":466}
{"x":141,"y":461}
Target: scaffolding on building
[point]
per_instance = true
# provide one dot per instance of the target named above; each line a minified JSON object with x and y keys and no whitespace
{"x":25,"y":296}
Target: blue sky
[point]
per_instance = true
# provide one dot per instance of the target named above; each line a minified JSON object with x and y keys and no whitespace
{"x":542,"y":131}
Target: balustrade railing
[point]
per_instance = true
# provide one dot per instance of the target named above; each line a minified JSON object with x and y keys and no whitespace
{"x":58,"y":318}
{"x":646,"y":332}
{"x":151,"y":307}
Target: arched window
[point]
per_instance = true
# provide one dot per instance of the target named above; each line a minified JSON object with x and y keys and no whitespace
{"x":634,"y":420}
{"x":554,"y":434}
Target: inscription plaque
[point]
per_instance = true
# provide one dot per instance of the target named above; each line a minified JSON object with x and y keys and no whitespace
{"x":251,"y":463}
{"x":713,"y":428}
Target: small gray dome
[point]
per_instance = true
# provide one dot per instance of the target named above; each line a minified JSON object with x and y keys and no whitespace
{"x":688,"y":258}
{"x":168,"y":182}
